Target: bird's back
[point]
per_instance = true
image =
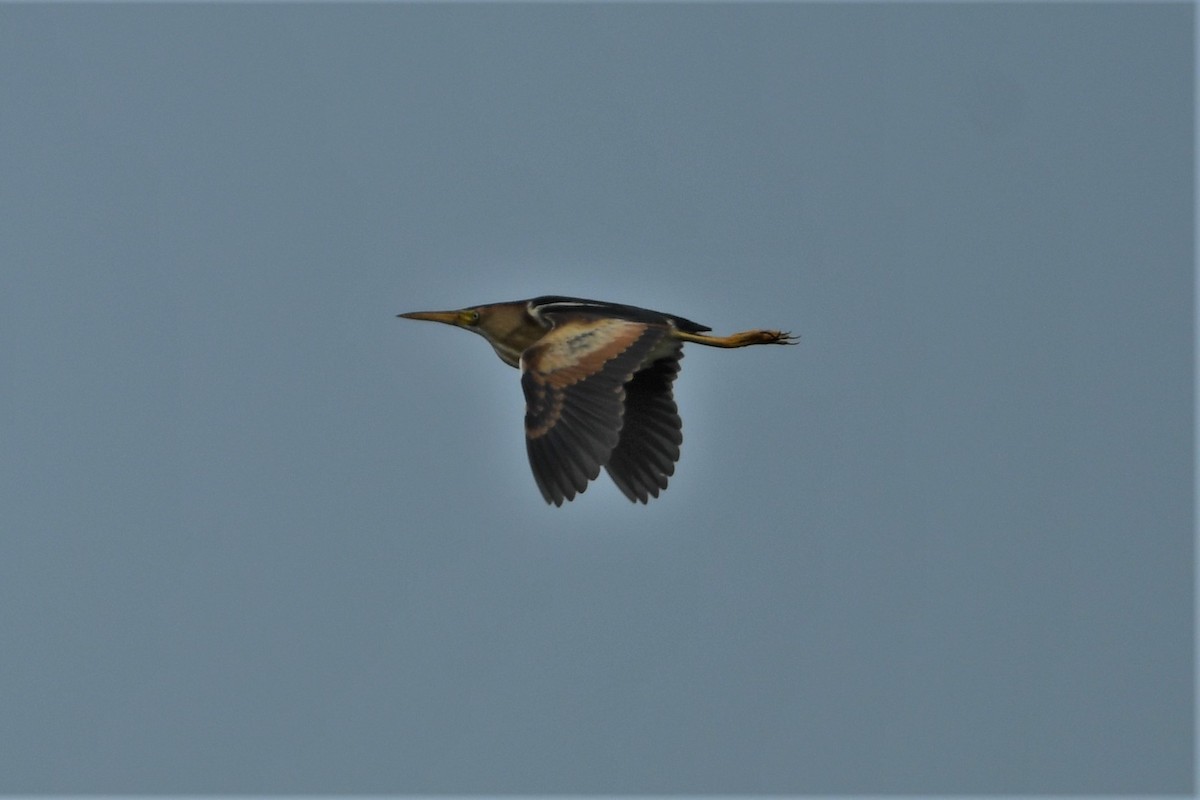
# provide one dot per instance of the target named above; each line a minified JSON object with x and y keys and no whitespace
{"x":555,"y":304}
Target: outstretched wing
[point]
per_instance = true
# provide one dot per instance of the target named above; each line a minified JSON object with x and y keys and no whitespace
{"x":645,"y":455}
{"x":574,"y":379}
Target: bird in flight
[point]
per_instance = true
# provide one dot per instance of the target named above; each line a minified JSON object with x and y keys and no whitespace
{"x":598,"y":382}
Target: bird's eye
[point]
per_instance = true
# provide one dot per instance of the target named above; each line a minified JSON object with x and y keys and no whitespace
{"x":472,"y":317}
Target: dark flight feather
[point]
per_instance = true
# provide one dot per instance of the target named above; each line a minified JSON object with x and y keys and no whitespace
{"x":574,"y":382}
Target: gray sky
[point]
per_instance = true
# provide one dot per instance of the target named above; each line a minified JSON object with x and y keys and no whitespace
{"x":261,"y":536}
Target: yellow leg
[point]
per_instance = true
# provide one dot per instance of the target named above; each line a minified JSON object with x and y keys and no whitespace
{"x":743,"y":339}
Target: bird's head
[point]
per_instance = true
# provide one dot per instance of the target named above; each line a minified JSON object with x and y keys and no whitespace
{"x":508,"y":327}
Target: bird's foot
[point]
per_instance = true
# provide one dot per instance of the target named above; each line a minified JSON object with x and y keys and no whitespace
{"x":777,"y":337}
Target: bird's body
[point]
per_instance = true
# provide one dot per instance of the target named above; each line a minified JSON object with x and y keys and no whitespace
{"x":598,"y":383}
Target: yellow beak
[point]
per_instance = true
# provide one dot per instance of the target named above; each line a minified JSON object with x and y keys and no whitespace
{"x":448,"y":317}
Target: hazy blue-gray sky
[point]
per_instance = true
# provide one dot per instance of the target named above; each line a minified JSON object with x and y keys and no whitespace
{"x":261,"y":536}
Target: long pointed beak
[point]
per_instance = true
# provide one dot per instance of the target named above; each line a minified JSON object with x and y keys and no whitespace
{"x":448,"y":317}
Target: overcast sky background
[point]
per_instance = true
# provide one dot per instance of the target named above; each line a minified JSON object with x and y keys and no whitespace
{"x":260,"y":536}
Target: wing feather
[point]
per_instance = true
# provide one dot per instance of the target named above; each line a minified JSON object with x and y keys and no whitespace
{"x":574,"y":379}
{"x":644,"y":458}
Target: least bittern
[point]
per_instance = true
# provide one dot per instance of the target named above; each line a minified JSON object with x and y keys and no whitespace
{"x":597,"y":379}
